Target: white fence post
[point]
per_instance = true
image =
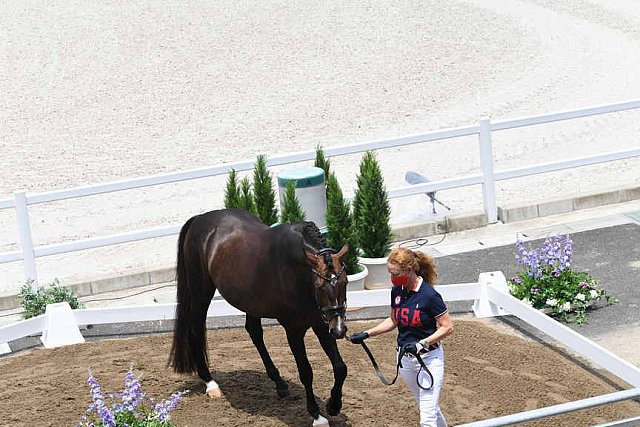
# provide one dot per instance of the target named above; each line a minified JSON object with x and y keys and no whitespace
{"x":26,"y":242}
{"x":486,"y":164}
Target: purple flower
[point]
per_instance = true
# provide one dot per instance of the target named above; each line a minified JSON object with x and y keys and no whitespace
{"x":565,"y":259}
{"x":164,"y":408}
{"x":555,"y":272}
{"x":517,"y":280}
{"x":583,"y":285}
{"x":98,"y":405}
{"x":132,"y":395}
{"x":132,"y":403}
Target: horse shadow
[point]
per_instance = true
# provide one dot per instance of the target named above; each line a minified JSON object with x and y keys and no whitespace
{"x":252,"y":392}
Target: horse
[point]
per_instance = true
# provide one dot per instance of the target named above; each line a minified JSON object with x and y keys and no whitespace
{"x":286,"y":272}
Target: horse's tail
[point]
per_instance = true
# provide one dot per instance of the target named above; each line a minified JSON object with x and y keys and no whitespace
{"x":189,"y":332}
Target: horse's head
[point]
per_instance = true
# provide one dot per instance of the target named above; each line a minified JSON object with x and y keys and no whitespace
{"x":330,"y":286}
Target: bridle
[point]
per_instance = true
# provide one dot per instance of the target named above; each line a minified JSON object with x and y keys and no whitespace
{"x":330,"y":311}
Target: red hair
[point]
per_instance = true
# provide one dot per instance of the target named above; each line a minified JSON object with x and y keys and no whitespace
{"x":419,"y":262}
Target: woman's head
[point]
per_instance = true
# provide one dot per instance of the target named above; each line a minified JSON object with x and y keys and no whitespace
{"x":402,"y":261}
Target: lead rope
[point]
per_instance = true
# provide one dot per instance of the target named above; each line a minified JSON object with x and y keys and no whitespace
{"x":377,"y":368}
{"x":401,"y":353}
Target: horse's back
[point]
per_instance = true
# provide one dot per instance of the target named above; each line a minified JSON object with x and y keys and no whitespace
{"x":247,"y":261}
{"x":227,"y":220}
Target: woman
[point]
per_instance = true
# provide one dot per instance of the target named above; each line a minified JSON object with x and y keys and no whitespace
{"x":423,"y":320}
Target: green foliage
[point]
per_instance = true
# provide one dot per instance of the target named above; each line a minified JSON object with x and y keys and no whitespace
{"x":245,"y":200}
{"x":34,"y":302}
{"x":322,"y":162}
{"x":371,"y":210}
{"x":340,"y":224}
{"x":264,"y":195}
{"x":291,"y":209}
{"x":549,"y":283}
{"x":232,"y":192}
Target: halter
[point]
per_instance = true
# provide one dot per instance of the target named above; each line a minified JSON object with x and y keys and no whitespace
{"x":331,"y":311}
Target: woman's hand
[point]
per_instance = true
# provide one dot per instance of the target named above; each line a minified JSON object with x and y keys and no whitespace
{"x":359,"y":337}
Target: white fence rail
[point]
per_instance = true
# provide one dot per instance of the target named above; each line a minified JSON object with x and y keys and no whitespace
{"x":490,"y":296}
{"x":488,"y":177}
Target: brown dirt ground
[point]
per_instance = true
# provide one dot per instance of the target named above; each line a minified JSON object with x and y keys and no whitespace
{"x":488,"y":373}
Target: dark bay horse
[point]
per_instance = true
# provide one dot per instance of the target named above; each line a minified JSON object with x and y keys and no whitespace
{"x":285,"y":272}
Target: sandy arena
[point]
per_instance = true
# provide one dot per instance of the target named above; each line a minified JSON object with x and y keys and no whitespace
{"x":482,"y":380}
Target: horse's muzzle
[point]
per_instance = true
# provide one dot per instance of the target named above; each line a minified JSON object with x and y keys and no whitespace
{"x":338,"y":327}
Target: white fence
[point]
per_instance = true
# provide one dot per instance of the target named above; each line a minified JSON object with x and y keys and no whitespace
{"x":490,"y":295}
{"x":488,"y":177}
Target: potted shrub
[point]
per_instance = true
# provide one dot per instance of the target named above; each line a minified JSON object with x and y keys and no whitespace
{"x":340,"y":231}
{"x":238,"y":195}
{"x":245,"y":197}
{"x":323,"y":163}
{"x":291,"y":209}
{"x":371,"y":217}
{"x":232,"y":192}
{"x":264,"y":195}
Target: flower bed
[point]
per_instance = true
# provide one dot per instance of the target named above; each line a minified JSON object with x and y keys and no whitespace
{"x":550,"y":284}
{"x":131,"y":408}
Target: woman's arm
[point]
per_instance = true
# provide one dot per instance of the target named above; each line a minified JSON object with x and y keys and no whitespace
{"x":386,"y":325}
{"x":445,"y":328}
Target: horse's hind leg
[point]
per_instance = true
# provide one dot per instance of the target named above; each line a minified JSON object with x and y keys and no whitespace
{"x":253,"y":326}
{"x":199,"y":310}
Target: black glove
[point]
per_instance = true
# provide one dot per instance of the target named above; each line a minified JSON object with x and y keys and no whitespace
{"x":412,"y":348}
{"x":358,"y":337}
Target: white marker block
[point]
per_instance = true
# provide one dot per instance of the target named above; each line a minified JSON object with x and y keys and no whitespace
{"x":60,"y":326}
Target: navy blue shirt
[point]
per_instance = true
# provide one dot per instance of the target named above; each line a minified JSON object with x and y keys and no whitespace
{"x":415,"y":313}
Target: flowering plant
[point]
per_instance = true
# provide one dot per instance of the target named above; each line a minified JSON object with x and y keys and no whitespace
{"x":549,"y":283}
{"x":132,"y":409}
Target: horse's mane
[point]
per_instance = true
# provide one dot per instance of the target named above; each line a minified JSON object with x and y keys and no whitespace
{"x":310,"y":233}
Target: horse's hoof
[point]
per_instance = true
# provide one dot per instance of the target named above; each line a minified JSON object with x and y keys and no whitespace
{"x":321,"y":422}
{"x":333,"y":409}
{"x":282,"y":390}
{"x":214,"y":393}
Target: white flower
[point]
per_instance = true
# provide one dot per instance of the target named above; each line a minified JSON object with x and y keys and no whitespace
{"x":593,"y":293}
{"x":580,"y":297}
{"x":566,"y":306}
{"x":551,"y":302}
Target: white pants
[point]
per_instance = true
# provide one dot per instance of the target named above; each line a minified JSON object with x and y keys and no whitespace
{"x":428,"y":400}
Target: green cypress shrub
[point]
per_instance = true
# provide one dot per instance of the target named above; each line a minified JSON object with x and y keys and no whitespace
{"x":322,"y":162}
{"x":232,"y":192}
{"x":264,"y":196}
{"x":246,"y":196}
{"x":371,"y":210}
{"x":340,"y":224}
{"x":291,"y":209}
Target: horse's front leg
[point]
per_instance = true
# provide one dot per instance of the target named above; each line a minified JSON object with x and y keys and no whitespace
{"x":295,"y":337}
{"x":330,"y":347}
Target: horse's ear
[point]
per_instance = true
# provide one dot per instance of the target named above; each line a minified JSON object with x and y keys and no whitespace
{"x":310,"y":253}
{"x":343,"y":252}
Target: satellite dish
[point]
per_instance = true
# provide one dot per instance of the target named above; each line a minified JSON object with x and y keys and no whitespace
{"x":414,"y":178}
